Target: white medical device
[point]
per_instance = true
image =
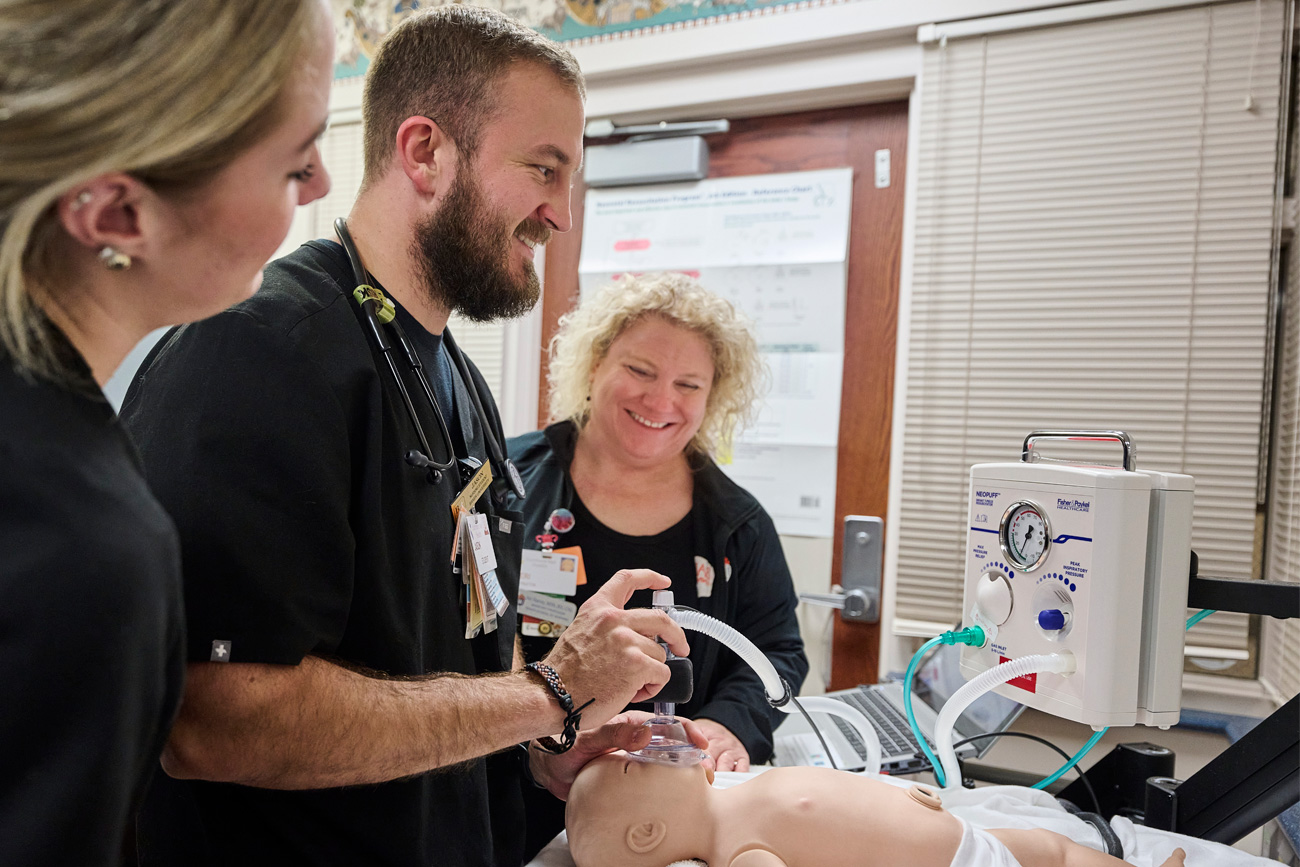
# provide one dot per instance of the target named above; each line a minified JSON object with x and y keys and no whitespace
{"x":1089,"y":560}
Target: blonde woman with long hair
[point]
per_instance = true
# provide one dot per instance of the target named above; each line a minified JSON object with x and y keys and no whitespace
{"x":649,"y":378}
{"x":151,"y":156}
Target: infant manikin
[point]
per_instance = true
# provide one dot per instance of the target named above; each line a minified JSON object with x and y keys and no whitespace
{"x":622,"y":811}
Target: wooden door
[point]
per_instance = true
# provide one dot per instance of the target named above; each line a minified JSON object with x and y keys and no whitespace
{"x":802,"y":142}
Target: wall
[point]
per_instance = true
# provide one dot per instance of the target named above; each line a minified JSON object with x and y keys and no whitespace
{"x":792,"y":59}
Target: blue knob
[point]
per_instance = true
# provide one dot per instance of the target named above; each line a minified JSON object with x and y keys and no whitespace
{"x":1051,"y":619}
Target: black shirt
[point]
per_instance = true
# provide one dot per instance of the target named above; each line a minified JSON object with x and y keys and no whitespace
{"x":738,"y":575}
{"x":724,"y":558}
{"x":275,"y":436}
{"x":91,"y":630}
{"x":605,"y":551}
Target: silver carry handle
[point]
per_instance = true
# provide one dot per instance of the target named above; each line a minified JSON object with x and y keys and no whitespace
{"x":1130,"y":453}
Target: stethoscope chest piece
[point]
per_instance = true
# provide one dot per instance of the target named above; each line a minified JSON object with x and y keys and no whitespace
{"x":515,"y":480}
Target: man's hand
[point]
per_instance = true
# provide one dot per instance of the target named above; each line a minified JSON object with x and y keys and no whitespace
{"x":608,"y":655}
{"x":626,"y":731}
{"x":728,"y":753}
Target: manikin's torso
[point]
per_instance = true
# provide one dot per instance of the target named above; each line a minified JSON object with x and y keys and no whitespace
{"x":816,"y":817}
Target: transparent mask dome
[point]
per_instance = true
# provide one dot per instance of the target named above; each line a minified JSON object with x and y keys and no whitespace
{"x":668,"y":744}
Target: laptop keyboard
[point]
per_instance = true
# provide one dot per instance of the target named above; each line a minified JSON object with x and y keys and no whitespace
{"x":895,"y":734}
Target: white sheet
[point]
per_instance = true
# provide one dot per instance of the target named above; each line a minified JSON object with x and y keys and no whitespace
{"x":1019,"y":807}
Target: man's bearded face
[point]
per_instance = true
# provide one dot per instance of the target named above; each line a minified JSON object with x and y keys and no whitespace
{"x":464,"y":252}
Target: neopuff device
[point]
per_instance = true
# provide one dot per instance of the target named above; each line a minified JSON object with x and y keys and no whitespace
{"x":1085,"y":560}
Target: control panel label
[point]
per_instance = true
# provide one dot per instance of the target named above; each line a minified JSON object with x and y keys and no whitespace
{"x":1027,"y":682}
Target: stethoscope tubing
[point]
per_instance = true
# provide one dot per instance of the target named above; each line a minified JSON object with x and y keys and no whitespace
{"x":505,"y":469}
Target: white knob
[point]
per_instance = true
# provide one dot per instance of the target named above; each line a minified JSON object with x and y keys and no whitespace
{"x":993,"y":596}
{"x":662,"y":599}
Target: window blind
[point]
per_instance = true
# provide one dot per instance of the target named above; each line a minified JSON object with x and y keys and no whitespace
{"x":1093,"y":233}
{"x":341,"y":151}
{"x":1280,"y":660}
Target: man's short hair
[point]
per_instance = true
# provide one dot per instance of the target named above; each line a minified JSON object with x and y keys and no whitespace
{"x":441,"y":63}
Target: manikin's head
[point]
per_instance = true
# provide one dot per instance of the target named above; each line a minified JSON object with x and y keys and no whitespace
{"x":641,"y":814}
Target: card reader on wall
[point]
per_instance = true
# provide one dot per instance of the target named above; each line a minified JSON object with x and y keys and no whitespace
{"x":656,"y":161}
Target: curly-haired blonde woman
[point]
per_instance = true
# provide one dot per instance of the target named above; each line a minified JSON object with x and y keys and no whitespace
{"x":648,"y":378}
{"x":151,"y":156}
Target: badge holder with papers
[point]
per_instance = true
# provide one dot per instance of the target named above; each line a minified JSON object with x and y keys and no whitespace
{"x":545,"y":579}
{"x":474,"y":557}
{"x":938,"y":677}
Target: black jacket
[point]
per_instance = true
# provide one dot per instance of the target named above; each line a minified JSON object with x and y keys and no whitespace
{"x":753,"y":591}
{"x":91,"y":624}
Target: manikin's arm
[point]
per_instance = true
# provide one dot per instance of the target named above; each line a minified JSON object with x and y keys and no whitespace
{"x":316,"y":724}
{"x":1039,"y":848}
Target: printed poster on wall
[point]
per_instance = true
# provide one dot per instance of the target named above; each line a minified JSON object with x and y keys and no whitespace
{"x":776,"y":246}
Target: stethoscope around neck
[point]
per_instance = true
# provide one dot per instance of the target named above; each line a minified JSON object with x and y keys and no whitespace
{"x":380,"y":313}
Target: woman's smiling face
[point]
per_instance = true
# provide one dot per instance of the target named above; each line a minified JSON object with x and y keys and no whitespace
{"x":650,"y":392}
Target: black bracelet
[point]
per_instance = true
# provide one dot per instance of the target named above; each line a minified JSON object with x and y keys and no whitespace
{"x":526,"y":764}
{"x":572,"y":715}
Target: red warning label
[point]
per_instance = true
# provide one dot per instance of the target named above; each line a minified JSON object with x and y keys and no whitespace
{"x":1028,"y":682}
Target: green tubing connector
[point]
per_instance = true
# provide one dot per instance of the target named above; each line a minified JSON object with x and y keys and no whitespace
{"x":971,"y":635}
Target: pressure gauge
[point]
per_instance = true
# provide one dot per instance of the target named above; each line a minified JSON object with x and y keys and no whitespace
{"x":1025,"y":535}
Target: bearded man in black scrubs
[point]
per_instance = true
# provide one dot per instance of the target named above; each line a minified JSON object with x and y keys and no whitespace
{"x":329,"y":674}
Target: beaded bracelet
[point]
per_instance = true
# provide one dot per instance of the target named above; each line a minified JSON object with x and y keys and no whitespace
{"x":572,"y":715}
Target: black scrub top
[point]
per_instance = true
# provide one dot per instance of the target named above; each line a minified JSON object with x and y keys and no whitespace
{"x":275,"y":437}
{"x":91,"y":628}
{"x":606,"y":551}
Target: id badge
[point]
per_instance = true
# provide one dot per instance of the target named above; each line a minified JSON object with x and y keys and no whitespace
{"x":480,"y":540}
{"x":541,"y":606}
{"x":549,"y":572}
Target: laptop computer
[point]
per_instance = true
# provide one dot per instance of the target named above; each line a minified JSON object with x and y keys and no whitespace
{"x":938,"y":677}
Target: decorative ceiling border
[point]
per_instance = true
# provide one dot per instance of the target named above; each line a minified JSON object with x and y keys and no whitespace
{"x":360,"y":25}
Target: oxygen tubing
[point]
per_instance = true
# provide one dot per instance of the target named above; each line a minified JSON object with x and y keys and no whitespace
{"x":911,"y":714}
{"x":1048,"y":780}
{"x":1083,"y":751}
{"x":778,"y":691}
{"x":973,"y":636}
{"x":1092,"y":741}
{"x":974,"y":688}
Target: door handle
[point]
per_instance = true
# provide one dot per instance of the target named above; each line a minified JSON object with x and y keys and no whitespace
{"x":854,"y":605}
{"x":858,"y":595}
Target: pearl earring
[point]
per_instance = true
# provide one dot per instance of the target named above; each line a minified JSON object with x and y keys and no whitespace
{"x":83,"y":198}
{"x":113,"y":260}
